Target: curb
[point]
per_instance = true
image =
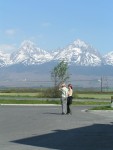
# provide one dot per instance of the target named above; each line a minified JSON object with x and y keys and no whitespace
{"x":86,"y":110}
{"x":29,"y":105}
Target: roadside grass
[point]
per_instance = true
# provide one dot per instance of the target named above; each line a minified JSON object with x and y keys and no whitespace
{"x":90,"y":103}
{"x":41,"y":94}
{"x":98,"y":105}
{"x":75,"y":103}
{"x":94,"y":96}
{"x":21,"y":94}
{"x":29,"y":102}
{"x":102,"y":108}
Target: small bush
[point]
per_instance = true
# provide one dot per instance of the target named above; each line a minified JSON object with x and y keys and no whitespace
{"x":51,"y":93}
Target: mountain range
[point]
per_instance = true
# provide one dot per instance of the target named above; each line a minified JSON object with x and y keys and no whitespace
{"x":32,"y":63}
{"x":78,"y":53}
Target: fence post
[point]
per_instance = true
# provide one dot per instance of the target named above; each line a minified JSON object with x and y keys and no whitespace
{"x":112,"y":101}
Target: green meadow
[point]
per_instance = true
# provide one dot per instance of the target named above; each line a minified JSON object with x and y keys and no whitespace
{"x":39,"y":97}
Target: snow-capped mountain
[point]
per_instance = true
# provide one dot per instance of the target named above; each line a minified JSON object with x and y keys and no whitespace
{"x":30,"y":63}
{"x":108,"y":59}
{"x":79,"y":53}
{"x":4,"y":59}
{"x":29,"y":54}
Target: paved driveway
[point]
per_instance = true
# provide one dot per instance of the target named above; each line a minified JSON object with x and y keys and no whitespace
{"x":44,"y":128}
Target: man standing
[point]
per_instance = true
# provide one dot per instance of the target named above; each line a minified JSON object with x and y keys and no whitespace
{"x":64,"y":96}
{"x":69,"y":99}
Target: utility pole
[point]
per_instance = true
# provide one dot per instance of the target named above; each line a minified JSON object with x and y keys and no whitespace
{"x":101,"y":83}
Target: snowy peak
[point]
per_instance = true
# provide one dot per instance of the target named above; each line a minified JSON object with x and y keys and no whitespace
{"x":85,"y":47}
{"x":79,"y":43}
{"x":108,"y":58}
{"x":4,"y":59}
{"x":27,"y":45}
{"x":30,"y":47}
{"x":29,"y":54}
{"x":79,"y":53}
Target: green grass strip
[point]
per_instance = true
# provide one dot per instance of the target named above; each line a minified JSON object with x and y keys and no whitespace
{"x":102,"y":108}
{"x":28,"y":102}
{"x":51,"y":102}
{"x":90,"y":103}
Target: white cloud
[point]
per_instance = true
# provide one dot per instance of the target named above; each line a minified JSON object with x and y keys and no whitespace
{"x":46,"y":24}
{"x":40,"y":36}
{"x":73,"y":30}
{"x":7,"y":48}
{"x":10,"y":32}
{"x":32,"y":38}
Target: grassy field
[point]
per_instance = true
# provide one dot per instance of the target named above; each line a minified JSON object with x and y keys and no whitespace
{"x":75,"y":95}
{"x":28,"y":102}
{"x":102,"y":108}
{"x":14,"y":95}
{"x":95,"y":95}
{"x":76,"y":103}
{"x":38,"y":94}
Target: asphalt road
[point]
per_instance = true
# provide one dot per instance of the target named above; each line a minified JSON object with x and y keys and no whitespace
{"x":44,"y":128}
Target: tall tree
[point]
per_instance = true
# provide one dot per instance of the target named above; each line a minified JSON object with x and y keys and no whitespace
{"x":59,"y":73}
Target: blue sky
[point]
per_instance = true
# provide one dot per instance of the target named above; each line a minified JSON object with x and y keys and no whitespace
{"x":53,"y":24}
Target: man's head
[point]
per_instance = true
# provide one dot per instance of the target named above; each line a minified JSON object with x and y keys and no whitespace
{"x":63,"y":85}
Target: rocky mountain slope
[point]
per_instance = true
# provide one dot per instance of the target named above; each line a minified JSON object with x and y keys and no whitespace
{"x":78,"y":53}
